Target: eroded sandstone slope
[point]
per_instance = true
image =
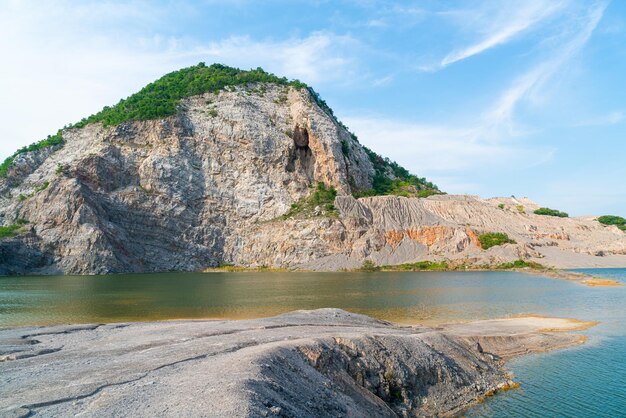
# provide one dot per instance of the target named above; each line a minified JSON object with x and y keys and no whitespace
{"x":391,"y":230}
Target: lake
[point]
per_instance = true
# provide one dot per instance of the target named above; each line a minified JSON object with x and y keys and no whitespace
{"x":583,"y":381}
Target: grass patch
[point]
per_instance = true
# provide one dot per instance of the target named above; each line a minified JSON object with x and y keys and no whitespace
{"x":12,"y":230}
{"x":43,"y":186}
{"x":492,"y":239}
{"x":369,"y":266}
{"x":550,"y":212}
{"x":418,"y":266}
{"x":320,"y":203}
{"x":520,"y":264}
{"x":234,"y":268}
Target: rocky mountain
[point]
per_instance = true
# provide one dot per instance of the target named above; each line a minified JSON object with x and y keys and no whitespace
{"x":212,"y":165}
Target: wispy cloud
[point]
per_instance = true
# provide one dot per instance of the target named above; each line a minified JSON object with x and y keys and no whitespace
{"x":435,"y":148}
{"x":499,"y":118}
{"x":493,"y":28}
{"x":495,"y":138}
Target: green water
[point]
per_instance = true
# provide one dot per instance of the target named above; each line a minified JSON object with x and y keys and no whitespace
{"x":401,"y":297}
{"x":588,"y":380}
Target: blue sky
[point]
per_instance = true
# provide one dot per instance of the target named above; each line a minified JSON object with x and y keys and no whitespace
{"x":522,"y":98}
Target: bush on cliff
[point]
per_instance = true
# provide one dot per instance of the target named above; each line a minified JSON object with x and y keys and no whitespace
{"x":319,"y":203}
{"x":520,"y":264}
{"x":13,"y":229}
{"x":550,"y":212}
{"x":390,"y":178}
{"x":492,"y":239}
{"x":51,"y":140}
{"x":613,"y":220}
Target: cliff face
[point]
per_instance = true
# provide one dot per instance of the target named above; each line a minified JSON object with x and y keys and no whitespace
{"x":176,"y":193}
{"x":209,"y":185}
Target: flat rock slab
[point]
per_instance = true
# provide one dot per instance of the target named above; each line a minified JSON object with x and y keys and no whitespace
{"x":322,"y":363}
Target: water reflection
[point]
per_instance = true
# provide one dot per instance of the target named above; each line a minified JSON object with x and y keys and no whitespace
{"x":409,"y":297}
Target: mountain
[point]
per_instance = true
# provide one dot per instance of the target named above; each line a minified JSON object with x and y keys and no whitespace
{"x":212,"y":165}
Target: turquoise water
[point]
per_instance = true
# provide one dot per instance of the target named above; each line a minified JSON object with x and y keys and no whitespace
{"x":586,"y":381}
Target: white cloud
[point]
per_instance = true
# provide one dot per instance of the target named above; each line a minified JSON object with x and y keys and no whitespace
{"x":496,"y":27}
{"x":436,"y":148}
{"x":65,"y":60}
{"x":320,"y":57}
{"x":498,"y":120}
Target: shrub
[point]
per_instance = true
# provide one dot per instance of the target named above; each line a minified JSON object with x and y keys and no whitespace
{"x":613,"y":220}
{"x":12,"y":230}
{"x":368,"y":265}
{"x":519,"y":264}
{"x":492,"y":239}
{"x":520,"y":209}
{"x":59,"y":169}
{"x":345,"y":148}
{"x":213,"y":112}
{"x":43,"y":186}
{"x":428,"y":192}
{"x":392,"y":179}
{"x":50,"y":141}
{"x":322,"y":196}
{"x":501,"y":206}
{"x":418,"y":266}
{"x":550,"y":212}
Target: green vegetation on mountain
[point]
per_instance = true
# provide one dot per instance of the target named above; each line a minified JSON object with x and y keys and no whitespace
{"x":613,"y":220}
{"x":521,"y":264}
{"x":550,"y":212}
{"x":13,"y":229}
{"x":320,"y":202}
{"x":162,"y":97}
{"x":51,"y":140}
{"x":491,"y":239}
{"x":399,"y":183}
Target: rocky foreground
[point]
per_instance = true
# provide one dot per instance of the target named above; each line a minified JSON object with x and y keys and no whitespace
{"x":322,"y":363}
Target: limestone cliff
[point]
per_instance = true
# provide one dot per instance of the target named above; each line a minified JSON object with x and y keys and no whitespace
{"x":209,"y":183}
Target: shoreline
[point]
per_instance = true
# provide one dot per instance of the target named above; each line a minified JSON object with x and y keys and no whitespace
{"x":327,"y":358}
{"x":553,"y":273}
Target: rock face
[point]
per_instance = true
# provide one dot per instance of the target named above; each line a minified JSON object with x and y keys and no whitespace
{"x":208,"y":185}
{"x":322,"y":363}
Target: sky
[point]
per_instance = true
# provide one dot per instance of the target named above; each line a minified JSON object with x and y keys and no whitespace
{"x":523,"y":98}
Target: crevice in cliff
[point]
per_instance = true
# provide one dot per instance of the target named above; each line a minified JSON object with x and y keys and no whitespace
{"x":301,"y":158}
